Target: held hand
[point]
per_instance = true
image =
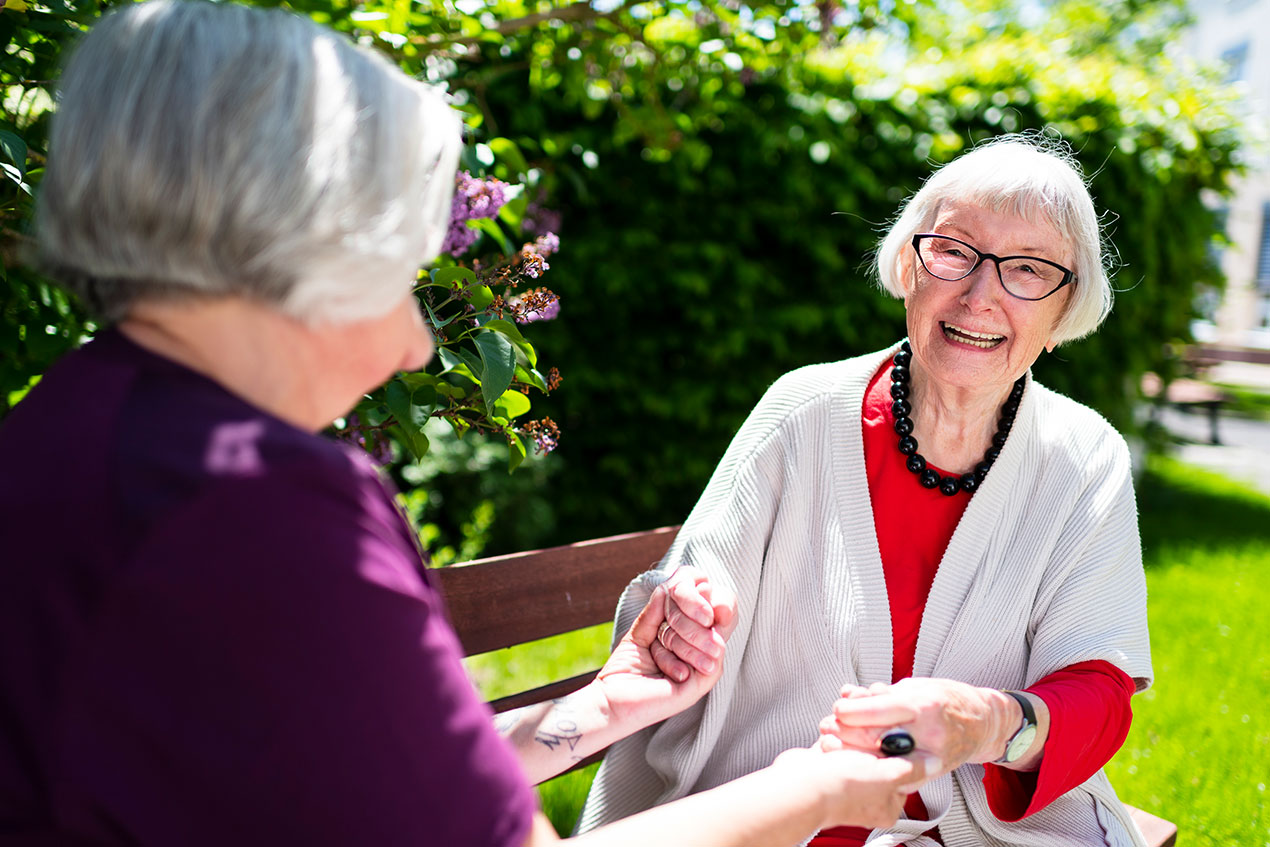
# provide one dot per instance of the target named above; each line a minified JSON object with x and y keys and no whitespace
{"x":956,"y":722}
{"x":699,"y":617}
{"x":860,"y":789}
{"x":640,"y":689}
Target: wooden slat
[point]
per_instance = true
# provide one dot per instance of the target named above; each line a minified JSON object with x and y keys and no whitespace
{"x":1157,"y":831}
{"x":550,"y":691}
{"x":507,"y":600}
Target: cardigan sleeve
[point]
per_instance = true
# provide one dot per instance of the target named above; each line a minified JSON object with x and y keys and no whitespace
{"x":1093,"y":601}
{"x":725,"y":536}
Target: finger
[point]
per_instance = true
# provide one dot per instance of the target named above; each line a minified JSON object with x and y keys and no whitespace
{"x":925,"y":768}
{"x":829,"y":744}
{"x":703,"y":638}
{"x":688,"y":652}
{"x":874,"y":711}
{"x":668,"y":663}
{"x":725,"y":607}
{"x":848,"y":691}
{"x":644,"y":630}
{"x":684,"y":593}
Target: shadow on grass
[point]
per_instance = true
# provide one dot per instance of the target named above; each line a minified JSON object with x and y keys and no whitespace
{"x":1179,"y":505}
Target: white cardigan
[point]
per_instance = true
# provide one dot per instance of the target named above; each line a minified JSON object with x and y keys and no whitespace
{"x":1043,"y":571}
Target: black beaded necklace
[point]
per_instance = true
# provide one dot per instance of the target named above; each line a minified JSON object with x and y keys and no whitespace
{"x":929,"y":477}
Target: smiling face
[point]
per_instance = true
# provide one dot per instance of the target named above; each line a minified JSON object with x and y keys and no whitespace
{"x":971,"y":334}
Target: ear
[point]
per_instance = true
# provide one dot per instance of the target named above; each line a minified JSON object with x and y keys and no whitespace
{"x":904,"y":273}
{"x":1050,"y":345}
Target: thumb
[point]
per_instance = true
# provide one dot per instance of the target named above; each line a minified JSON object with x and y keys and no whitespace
{"x":644,"y":630}
{"x":924,"y":768}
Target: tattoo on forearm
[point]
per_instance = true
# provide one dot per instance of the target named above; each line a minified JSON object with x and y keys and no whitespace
{"x":505,"y":723}
{"x":566,"y":732}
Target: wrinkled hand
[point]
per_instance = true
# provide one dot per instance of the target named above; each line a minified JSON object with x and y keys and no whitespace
{"x":860,"y":789}
{"x":657,"y":671}
{"x":699,"y":617}
{"x":956,"y":722}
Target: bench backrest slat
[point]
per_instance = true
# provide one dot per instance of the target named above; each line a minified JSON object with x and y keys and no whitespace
{"x":507,"y":600}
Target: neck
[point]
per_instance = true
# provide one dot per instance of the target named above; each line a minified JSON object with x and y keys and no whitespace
{"x":256,"y":353}
{"x":954,"y":425}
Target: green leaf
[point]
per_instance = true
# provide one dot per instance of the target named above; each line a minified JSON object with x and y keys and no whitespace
{"x":401,"y":402}
{"x":515,"y":452}
{"x":513,"y":334}
{"x":481,"y":297}
{"x":453,"y":277}
{"x":531,"y":377}
{"x":416,"y":442}
{"x":499,"y":358}
{"x":14,"y":149}
{"x":512,"y":404}
{"x":506,"y":151}
{"x":491,"y":228}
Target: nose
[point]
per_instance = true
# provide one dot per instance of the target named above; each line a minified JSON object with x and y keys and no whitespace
{"x":982,"y":287}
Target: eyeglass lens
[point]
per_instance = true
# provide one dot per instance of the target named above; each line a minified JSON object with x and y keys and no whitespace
{"x":1023,"y":276}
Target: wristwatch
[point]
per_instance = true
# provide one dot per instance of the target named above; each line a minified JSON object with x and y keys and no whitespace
{"x":1021,"y":740}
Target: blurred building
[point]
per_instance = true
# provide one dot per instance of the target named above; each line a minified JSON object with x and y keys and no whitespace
{"x":1237,"y":34}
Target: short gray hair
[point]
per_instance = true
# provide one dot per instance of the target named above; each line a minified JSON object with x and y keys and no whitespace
{"x":1032,"y":176}
{"x":208,"y":149}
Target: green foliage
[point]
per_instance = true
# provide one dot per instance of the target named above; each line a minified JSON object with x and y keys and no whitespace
{"x":724,"y":172}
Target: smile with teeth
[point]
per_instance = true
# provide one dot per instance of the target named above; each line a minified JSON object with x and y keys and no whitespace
{"x":983,"y":340}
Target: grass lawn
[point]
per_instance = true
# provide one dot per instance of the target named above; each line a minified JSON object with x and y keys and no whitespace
{"x":1199,"y":750}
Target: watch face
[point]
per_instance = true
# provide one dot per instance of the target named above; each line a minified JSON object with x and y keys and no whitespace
{"x":1019,"y":743}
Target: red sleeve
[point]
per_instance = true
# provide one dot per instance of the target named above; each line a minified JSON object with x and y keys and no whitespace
{"x":1089,"y":719}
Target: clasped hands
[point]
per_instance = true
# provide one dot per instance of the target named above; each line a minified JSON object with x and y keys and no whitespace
{"x":685,"y":626}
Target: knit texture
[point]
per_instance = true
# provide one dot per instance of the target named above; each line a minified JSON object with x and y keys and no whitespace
{"x":1043,"y":571}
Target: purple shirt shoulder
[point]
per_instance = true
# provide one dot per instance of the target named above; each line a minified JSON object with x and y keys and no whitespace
{"x":214,"y":630}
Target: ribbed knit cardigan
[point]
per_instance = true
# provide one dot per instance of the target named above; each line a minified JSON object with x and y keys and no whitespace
{"x":1043,"y":571}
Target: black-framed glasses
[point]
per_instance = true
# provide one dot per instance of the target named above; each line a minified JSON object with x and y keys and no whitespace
{"x":1024,"y":277}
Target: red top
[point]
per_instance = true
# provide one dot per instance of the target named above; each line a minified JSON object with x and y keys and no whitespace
{"x":1088,"y":701}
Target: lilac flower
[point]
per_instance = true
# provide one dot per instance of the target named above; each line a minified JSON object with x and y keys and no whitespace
{"x":539,"y":218}
{"x":474,"y":198}
{"x":546,"y":244}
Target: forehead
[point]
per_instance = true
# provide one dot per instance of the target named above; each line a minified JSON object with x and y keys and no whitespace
{"x":1001,"y":231}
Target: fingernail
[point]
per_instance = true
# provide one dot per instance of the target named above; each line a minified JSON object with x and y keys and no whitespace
{"x":707,"y":666}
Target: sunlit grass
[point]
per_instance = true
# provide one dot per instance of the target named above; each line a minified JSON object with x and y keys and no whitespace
{"x":1199,"y":750}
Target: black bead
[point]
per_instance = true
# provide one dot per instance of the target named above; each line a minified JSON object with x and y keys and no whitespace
{"x":929,"y":479}
{"x":981,"y":470}
{"x":903,"y":425}
{"x":998,"y":440}
{"x":901,"y":408}
{"x":899,"y":373}
{"x":969,"y":482}
{"x":990,"y":455}
{"x":908,"y":445}
{"x":916,"y":463}
{"x":903,"y":358}
{"x":1005,"y":424}
{"x":898,"y":391}
{"x":1016,"y":393}
{"x":949,"y":485}
{"x":904,"y":348}
{"x":1010,"y":409}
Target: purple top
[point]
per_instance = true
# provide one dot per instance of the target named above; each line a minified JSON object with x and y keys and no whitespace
{"x":213,"y":630}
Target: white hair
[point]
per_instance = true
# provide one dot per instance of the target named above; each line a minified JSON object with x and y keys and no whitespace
{"x":1031,"y":176}
{"x":208,"y":149}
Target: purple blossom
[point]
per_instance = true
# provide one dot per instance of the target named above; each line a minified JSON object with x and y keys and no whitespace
{"x":548,"y":312}
{"x":546,"y":244}
{"x":539,"y":218}
{"x":474,"y":198}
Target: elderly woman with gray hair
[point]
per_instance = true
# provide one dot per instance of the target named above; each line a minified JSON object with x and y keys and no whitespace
{"x":214,"y":626}
{"x":931,"y":537}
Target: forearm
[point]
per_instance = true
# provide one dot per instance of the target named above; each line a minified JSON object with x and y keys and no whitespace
{"x":551,"y":737}
{"x":763,"y":808}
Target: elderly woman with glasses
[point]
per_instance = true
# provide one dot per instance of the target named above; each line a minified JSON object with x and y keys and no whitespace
{"x":929,"y":539}
{"x":215,"y":628}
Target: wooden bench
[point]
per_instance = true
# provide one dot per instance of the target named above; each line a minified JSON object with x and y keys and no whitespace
{"x":509,"y":600}
{"x":1187,"y":393}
